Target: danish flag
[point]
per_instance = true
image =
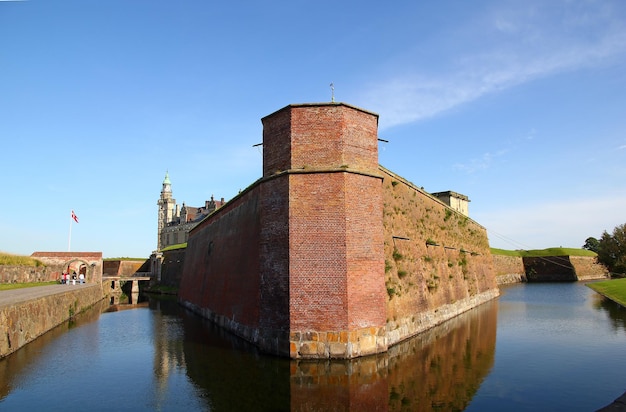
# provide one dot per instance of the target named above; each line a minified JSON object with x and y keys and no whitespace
{"x":74,"y":217}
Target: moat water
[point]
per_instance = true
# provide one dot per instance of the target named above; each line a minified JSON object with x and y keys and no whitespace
{"x":547,"y":347}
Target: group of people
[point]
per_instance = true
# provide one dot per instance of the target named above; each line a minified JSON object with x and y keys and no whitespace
{"x":66,"y":278}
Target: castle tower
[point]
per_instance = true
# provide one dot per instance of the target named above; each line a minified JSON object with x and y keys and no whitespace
{"x":322,"y":256}
{"x":166,"y":204}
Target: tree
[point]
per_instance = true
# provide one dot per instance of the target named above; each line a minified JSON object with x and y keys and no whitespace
{"x":612,"y":249}
{"x":592,"y":244}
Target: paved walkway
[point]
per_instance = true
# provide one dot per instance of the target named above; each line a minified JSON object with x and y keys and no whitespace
{"x":13,"y":296}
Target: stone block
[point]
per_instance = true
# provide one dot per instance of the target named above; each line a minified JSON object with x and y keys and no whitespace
{"x":337,"y":349}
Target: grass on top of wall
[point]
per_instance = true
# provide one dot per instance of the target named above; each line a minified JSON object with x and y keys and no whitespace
{"x":11,"y":286}
{"x":18,"y":260}
{"x":174,"y":247}
{"x":612,"y":289}
{"x":553,"y":251}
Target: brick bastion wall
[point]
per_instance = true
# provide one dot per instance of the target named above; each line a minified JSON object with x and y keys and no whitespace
{"x":308,"y":262}
{"x":26,"y":320}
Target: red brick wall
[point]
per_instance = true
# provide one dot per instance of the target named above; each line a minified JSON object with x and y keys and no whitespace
{"x":276,"y":142}
{"x":172,"y":267}
{"x":320,"y":136}
{"x":317,"y":243}
{"x":274,"y":254}
{"x":335,"y":233}
{"x":365,"y":252}
{"x":221,"y":269}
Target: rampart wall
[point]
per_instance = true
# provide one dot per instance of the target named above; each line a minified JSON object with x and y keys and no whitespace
{"x":509,"y":269}
{"x":172,"y":267}
{"x":437,"y":261}
{"x":222,"y":277}
{"x":512,"y":269}
{"x":562,"y":268}
{"x":588,"y":268}
{"x":124,"y":267}
{"x":25,"y":321}
{"x":27,"y":274}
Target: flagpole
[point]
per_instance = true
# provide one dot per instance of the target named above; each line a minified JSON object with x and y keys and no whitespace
{"x":69,"y":238}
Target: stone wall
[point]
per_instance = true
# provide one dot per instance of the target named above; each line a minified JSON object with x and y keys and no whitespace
{"x":25,"y":321}
{"x":515,"y":269}
{"x":509,"y":269}
{"x":27,"y":274}
{"x":563,"y":268}
{"x":588,"y":268}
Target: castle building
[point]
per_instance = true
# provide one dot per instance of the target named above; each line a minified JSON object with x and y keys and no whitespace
{"x":454,"y":200}
{"x":174,"y":223}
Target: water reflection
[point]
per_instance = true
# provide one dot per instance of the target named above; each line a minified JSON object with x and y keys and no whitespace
{"x":166,"y":358}
{"x":438,"y":370}
{"x":28,"y":356}
{"x":556,"y":351}
{"x":616,"y":312}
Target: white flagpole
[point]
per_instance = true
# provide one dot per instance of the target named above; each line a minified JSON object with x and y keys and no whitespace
{"x":69,"y":239}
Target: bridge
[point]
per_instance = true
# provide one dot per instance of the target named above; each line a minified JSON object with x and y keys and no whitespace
{"x":117,"y":281}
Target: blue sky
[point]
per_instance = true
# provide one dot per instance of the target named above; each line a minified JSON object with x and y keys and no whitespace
{"x":520,"y":105}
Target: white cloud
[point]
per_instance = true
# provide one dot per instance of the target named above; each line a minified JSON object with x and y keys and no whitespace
{"x":478,"y":164}
{"x":527,"y":49}
{"x":564,"y":223}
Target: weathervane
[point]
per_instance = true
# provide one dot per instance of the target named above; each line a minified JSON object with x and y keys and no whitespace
{"x":332,"y":93}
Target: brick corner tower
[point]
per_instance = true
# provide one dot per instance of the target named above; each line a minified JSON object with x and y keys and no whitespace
{"x":322,"y":256}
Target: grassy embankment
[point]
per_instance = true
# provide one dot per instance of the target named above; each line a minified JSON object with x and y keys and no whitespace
{"x":17,"y":260}
{"x":11,"y":286}
{"x":612,"y":289}
{"x":174,"y":247}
